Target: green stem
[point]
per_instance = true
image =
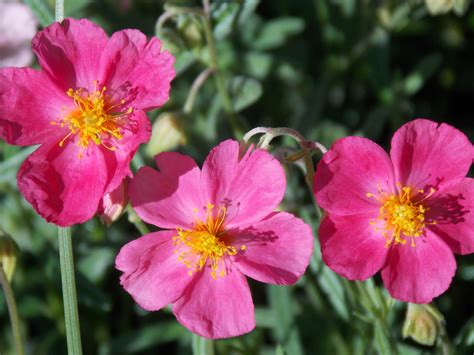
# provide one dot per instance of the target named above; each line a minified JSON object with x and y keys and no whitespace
{"x":202,"y":346}
{"x":198,"y":82}
{"x":71,"y":315}
{"x":219,"y":80}
{"x":137,"y":222}
{"x":12,"y":310}
{"x":59,"y":11}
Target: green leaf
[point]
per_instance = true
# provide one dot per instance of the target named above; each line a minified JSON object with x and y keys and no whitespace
{"x":224,"y":15}
{"x":183,"y":61}
{"x":276,"y":32}
{"x":147,"y":337}
{"x":97,"y":262}
{"x":244,"y":92}
{"x":264,"y":317}
{"x":332,"y":287}
{"x":279,"y":350}
{"x":258,"y":64}
{"x":425,"y":68}
{"x":75,"y":8}
{"x":42,"y":10}
{"x":382,"y":343}
{"x":461,"y":6}
{"x":285,"y":329}
{"x":347,"y":6}
{"x":247,"y":9}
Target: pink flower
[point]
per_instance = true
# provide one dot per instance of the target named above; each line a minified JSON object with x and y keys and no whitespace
{"x":113,"y":204}
{"x":86,"y":110}
{"x":405,"y":214}
{"x":17,"y":28}
{"x":220,"y":225}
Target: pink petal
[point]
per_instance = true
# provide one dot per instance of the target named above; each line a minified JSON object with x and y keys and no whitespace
{"x":250,"y":187}
{"x":169,"y":197}
{"x":113,"y":204}
{"x":29,"y":102}
{"x":352,"y":168}
{"x":62,"y":187}
{"x":69,"y":52}
{"x":136,"y":131}
{"x":419,"y":274}
{"x":453,"y":211}
{"x":152,"y":273}
{"x":426,"y":154}
{"x":278,"y":249}
{"x":129,"y":60}
{"x":351,"y":246}
{"x":220,"y":308}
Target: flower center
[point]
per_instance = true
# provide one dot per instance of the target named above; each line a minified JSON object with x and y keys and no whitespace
{"x":93,"y":119}
{"x":205,"y":242}
{"x":402,"y":214}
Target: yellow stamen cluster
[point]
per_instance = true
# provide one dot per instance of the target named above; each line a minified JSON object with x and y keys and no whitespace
{"x":92,"y":119}
{"x":205,"y":242}
{"x":403,"y":215}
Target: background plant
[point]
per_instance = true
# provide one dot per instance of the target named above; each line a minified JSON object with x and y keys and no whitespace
{"x":325,"y":68}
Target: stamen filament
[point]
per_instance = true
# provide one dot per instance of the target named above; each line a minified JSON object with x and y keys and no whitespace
{"x":402,"y":215}
{"x":93,"y":119}
{"x":206,"y":242}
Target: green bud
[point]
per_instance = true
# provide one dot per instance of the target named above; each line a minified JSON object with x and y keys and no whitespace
{"x":8,"y":254}
{"x":423,"y":323}
{"x":190,"y":29}
{"x":438,"y":7}
{"x":167,"y":133}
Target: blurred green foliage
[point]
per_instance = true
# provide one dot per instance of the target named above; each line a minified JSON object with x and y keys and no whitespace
{"x":327,"y":68}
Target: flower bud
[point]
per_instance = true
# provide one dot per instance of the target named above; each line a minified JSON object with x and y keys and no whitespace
{"x":167,"y":133}
{"x":438,"y":7}
{"x":191,"y":31}
{"x":8,"y":254}
{"x":423,"y":323}
{"x":113,"y":204}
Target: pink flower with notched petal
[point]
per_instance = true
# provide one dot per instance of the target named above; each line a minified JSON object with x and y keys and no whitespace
{"x":405,"y":214}
{"x":86,"y":110}
{"x":221,"y":225}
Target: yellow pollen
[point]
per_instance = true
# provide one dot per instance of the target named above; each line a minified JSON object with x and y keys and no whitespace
{"x":93,"y":119}
{"x":206,"y":242}
{"x":403,"y":215}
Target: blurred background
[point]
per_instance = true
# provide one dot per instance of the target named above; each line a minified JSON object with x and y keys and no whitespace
{"x":327,"y":68}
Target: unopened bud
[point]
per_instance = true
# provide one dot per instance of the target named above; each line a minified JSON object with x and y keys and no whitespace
{"x":423,"y":323}
{"x":191,"y":31}
{"x":438,"y":7}
{"x":113,"y":204}
{"x":167,"y":133}
{"x":8,"y":254}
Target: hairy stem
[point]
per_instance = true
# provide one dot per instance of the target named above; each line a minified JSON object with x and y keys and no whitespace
{"x":71,"y":315}
{"x":12,"y":310}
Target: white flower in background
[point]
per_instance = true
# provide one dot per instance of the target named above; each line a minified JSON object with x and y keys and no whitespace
{"x":17,"y":27}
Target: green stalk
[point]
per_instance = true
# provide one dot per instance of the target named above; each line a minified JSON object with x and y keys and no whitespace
{"x":202,"y":346}
{"x":59,"y":11}
{"x":71,"y":314}
{"x":138,"y":223}
{"x":12,"y":310}
{"x":219,"y":80}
